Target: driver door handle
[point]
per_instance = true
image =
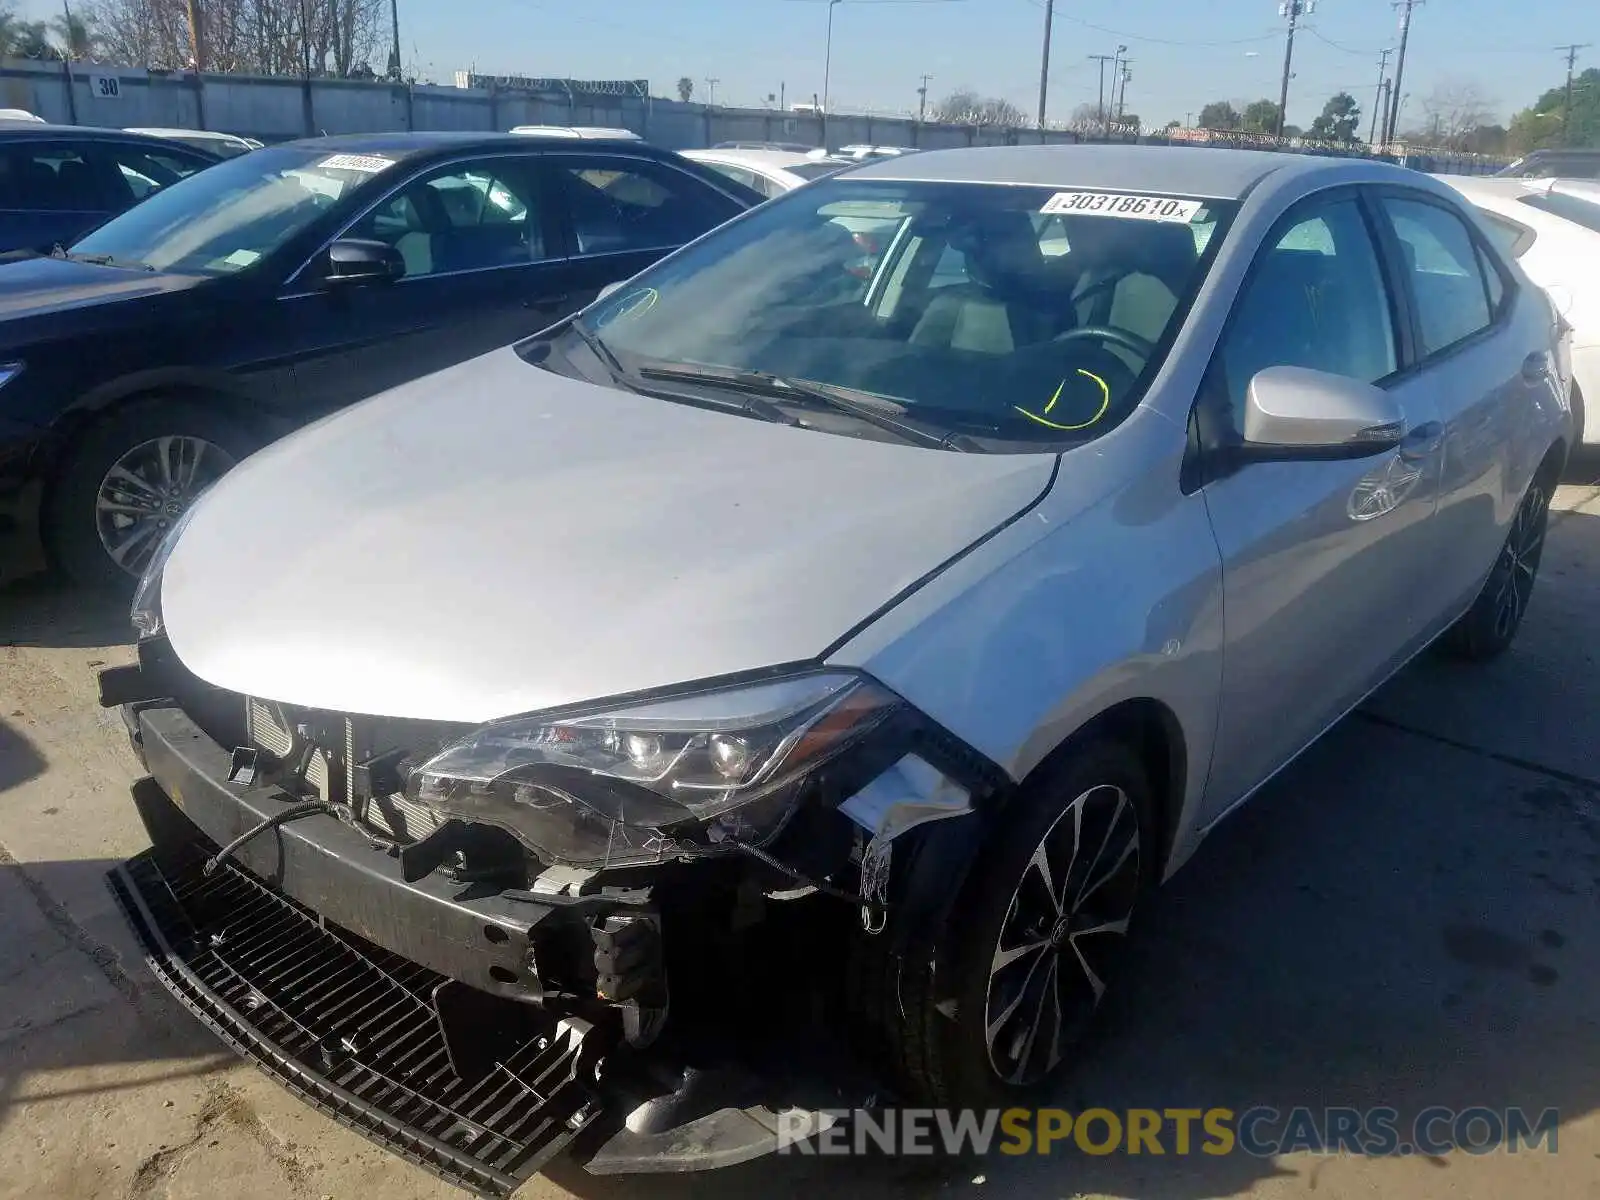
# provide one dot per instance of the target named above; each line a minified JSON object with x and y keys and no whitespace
{"x":1422,"y":441}
{"x":547,"y":301}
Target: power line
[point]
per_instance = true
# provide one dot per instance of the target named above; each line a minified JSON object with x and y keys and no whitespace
{"x":1160,"y":41}
{"x":1395,"y":99}
{"x":1571,"y":51}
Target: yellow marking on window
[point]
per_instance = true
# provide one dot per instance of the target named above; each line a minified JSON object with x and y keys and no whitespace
{"x":1105,"y":403}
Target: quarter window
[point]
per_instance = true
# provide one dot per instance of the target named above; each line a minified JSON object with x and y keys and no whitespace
{"x":1445,"y":271}
{"x":42,"y":177}
{"x":1316,"y":299}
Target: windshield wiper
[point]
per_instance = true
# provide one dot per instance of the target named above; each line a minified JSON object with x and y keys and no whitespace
{"x":761,"y":383}
{"x":751,"y":400}
{"x":98,"y":260}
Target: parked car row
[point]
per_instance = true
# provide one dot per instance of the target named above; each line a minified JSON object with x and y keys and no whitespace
{"x":783,"y":678}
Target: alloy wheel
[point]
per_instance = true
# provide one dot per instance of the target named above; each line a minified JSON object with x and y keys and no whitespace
{"x":148,"y":489}
{"x":1519,"y":562}
{"x":1067,"y":919}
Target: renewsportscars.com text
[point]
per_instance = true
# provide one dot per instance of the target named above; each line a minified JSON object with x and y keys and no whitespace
{"x":1261,"y":1132}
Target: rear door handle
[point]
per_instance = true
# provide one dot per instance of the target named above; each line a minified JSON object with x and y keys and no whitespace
{"x":1421,"y":441}
{"x":1536,"y":367}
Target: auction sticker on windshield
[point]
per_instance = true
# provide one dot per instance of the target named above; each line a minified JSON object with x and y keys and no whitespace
{"x":1123,"y":204}
{"x":370,"y":163}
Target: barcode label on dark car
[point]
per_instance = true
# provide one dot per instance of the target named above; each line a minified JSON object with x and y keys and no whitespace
{"x":1123,"y":204}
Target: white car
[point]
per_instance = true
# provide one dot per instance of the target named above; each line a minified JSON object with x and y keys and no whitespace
{"x":599,"y":132}
{"x":770,"y":172}
{"x":224,"y":145}
{"x":1552,"y":226}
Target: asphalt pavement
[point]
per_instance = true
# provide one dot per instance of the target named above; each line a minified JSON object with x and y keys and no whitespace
{"x":1405,"y":917}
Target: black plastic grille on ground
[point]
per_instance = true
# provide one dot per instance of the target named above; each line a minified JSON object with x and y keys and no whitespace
{"x":347,"y":1026}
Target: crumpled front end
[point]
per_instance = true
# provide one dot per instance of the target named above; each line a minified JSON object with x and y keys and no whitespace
{"x":421,"y":951}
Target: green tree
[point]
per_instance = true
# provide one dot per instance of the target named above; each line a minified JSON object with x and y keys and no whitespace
{"x":685,"y":89}
{"x":1260,"y":116}
{"x":1219,"y":114}
{"x":1545,"y":123}
{"x":74,"y":36}
{"x":1340,"y":118}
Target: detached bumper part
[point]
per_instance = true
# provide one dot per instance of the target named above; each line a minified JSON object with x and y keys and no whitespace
{"x":353,"y":1029}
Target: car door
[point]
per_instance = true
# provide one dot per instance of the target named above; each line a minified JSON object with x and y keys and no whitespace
{"x":621,"y":212}
{"x":1486,"y":372}
{"x":1323,"y":561}
{"x":483,"y":269}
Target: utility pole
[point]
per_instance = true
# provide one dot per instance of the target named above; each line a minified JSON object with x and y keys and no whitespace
{"x":1383,"y":98}
{"x":197,"y":35}
{"x":1377,"y":100}
{"x":1294,"y":10}
{"x":1571,"y":51}
{"x":1122,"y":96}
{"x":1044,"y":65}
{"x":827,"y":65}
{"x":395,"y":71}
{"x":711,"y":93}
{"x":922,"y":100}
{"x":1102,"y":59}
{"x":1405,"y":7}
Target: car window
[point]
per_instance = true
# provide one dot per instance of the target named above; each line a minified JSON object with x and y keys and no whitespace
{"x":943,"y":298}
{"x":1446,"y":277}
{"x":1314,"y":298}
{"x":1492,"y":282}
{"x":464,"y":217}
{"x":1570,"y":208}
{"x":1511,"y":238}
{"x":144,"y":171}
{"x":49,"y":177}
{"x":739,"y":175}
{"x":618,"y":204}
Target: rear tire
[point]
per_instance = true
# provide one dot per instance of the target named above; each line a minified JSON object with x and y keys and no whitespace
{"x":1488,"y":628}
{"x":128,"y":478}
{"x":1036,"y":939}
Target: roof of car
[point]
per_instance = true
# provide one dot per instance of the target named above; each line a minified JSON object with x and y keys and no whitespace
{"x":39,"y":129}
{"x":767,"y":159}
{"x":1177,"y":170}
{"x":404,"y":145}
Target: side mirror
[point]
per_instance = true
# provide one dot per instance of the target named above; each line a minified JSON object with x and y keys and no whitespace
{"x":1297,"y":413}
{"x":353,"y":261}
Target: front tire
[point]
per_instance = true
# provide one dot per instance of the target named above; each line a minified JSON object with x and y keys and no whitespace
{"x":1490,"y":626}
{"x":131,"y":475}
{"x":1036,"y":937}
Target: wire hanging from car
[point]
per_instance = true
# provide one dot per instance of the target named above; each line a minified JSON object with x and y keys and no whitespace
{"x":800,"y":877}
{"x":294,"y":812}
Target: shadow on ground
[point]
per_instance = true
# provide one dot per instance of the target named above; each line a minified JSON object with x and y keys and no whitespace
{"x":42,"y":610}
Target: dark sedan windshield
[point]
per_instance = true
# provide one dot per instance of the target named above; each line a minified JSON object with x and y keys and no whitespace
{"x":229,"y":216}
{"x":1017,"y":313}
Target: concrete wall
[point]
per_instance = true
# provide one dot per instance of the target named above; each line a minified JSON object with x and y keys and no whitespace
{"x":278,"y":108}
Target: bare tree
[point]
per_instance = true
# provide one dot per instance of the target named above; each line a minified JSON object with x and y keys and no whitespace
{"x":965,"y":107}
{"x":267,"y":37}
{"x":1453,"y":109}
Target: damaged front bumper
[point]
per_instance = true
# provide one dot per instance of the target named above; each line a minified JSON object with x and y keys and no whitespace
{"x":416,"y":1013}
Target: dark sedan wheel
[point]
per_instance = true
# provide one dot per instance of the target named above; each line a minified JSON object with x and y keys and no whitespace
{"x":129,"y":479}
{"x":1491,"y":624}
{"x":1033,"y":944}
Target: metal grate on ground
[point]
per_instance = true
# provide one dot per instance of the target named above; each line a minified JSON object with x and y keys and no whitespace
{"x":349,"y":1027}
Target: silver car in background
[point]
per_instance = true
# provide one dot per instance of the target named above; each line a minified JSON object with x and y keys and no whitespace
{"x":778,"y":637}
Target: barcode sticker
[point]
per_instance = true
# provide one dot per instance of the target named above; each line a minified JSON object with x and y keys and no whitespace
{"x":370,"y":163}
{"x":1124,"y":204}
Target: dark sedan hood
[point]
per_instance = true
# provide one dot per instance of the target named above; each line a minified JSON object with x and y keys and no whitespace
{"x":31,"y":287}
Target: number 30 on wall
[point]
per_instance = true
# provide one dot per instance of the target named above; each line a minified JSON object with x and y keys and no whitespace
{"x":105,"y":87}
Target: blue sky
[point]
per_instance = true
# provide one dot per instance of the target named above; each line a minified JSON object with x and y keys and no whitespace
{"x":1183,"y":53}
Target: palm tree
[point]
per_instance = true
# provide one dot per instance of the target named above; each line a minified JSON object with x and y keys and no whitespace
{"x":75,"y":36}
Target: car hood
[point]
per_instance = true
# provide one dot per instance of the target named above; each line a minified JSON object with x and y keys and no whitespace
{"x":32,"y":287}
{"x":497,"y":539}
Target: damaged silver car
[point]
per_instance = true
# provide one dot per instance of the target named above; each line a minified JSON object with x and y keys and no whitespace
{"x":779,"y":685}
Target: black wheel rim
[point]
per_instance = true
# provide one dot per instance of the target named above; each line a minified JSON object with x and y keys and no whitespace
{"x":1066,"y":922}
{"x":148,"y":489}
{"x":1518,"y":565}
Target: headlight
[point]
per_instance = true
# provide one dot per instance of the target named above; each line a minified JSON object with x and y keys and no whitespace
{"x":658,"y":780}
{"x":146,"y":612}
